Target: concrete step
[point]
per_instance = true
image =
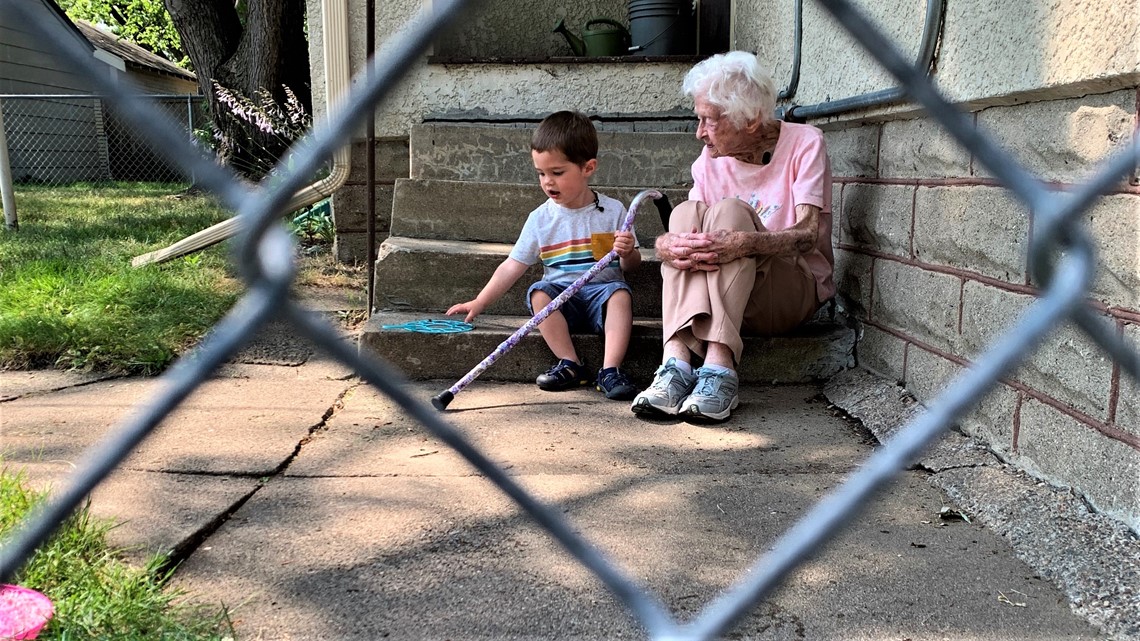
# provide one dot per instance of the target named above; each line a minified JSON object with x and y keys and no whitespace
{"x":502,"y":154}
{"x":414,"y":274}
{"x":493,"y":212}
{"x":816,"y":351}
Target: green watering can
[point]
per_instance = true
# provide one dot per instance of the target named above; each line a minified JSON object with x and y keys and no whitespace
{"x":609,"y":39}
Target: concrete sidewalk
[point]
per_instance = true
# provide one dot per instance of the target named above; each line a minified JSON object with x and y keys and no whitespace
{"x":314,"y":509}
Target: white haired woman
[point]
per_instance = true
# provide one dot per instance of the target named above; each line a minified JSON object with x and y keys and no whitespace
{"x":750,"y":250}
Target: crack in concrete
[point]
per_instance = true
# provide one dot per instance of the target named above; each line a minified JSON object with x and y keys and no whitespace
{"x":102,"y":379}
{"x":207,"y":473}
{"x":188,"y":546}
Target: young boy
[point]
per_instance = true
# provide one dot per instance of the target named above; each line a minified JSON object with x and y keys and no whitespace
{"x":570,"y":232}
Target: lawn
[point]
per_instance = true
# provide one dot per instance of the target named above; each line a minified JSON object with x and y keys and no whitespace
{"x":69,"y":297}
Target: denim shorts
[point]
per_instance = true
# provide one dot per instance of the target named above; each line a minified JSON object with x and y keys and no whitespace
{"x":585,"y":310}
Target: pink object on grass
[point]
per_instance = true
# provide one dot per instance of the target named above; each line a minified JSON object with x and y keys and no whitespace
{"x":23,"y":612}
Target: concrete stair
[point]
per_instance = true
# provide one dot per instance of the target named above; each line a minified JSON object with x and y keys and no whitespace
{"x":454,"y":220}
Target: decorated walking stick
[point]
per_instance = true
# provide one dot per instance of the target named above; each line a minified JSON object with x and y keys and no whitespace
{"x":444,"y":398}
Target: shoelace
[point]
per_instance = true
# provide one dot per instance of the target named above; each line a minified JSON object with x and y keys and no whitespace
{"x":666,"y":379}
{"x":558,"y":370}
{"x":707,"y":384}
{"x":612,"y":378}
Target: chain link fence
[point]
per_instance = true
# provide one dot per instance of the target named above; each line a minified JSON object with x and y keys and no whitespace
{"x":1061,"y":259}
{"x":64,"y":138}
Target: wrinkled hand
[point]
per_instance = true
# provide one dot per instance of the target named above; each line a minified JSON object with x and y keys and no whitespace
{"x":623,"y":243}
{"x":698,"y":251}
{"x":472,"y":308}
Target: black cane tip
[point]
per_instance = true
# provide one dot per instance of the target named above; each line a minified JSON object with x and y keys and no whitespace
{"x":442,"y":400}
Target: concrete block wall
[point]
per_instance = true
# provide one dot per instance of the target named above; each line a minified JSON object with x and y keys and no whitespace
{"x":932,"y":256}
{"x":350,"y":203}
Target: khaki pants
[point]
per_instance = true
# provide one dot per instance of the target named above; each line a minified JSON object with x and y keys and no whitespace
{"x":766,"y":295}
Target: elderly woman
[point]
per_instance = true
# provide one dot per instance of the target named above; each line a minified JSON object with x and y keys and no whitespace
{"x":750,"y":251}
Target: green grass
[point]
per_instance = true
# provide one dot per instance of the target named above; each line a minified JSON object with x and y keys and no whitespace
{"x":69,"y":297}
{"x":95,"y":594}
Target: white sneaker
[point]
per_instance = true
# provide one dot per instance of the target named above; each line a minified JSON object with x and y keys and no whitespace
{"x":664,"y":395}
{"x":713,"y":397}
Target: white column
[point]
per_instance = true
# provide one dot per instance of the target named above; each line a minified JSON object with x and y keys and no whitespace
{"x":9,"y":198}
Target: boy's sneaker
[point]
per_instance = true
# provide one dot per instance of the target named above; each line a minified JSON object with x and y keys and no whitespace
{"x":713,"y":397}
{"x":615,"y":384}
{"x":664,"y":395}
{"x":566,"y":374}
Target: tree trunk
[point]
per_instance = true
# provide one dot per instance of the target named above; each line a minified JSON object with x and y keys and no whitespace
{"x":267,"y":54}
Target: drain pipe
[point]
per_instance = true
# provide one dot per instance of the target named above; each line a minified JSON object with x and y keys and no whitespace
{"x":794,"y":81}
{"x":935,"y":10}
{"x":370,"y":164}
{"x":334,"y":21}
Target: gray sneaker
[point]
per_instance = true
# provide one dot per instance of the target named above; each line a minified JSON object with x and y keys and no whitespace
{"x":713,"y":397}
{"x":670,"y":386}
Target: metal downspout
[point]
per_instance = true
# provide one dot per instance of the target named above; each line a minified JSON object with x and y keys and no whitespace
{"x":797,"y":49}
{"x":334,"y":22}
{"x":370,"y":164}
{"x":935,"y":9}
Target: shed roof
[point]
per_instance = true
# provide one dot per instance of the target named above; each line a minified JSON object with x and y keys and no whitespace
{"x":131,"y":53}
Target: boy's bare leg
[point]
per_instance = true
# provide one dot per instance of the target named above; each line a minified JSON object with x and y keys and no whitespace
{"x":619,"y":324}
{"x":555,"y":331}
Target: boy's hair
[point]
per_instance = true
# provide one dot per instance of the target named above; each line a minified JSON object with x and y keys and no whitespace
{"x":569,"y":132}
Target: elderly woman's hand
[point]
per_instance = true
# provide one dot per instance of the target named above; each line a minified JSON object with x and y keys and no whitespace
{"x":691,"y":251}
{"x":701,"y":251}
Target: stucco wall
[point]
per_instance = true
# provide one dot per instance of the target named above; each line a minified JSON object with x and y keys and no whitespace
{"x":498,"y":88}
{"x":522,"y":28}
{"x":990,"y":51}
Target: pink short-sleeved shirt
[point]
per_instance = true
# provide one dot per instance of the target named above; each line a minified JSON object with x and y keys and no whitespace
{"x":798,"y":174}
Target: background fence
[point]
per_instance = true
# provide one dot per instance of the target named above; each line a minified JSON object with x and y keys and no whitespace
{"x":1062,"y":262}
{"x":62,"y":139}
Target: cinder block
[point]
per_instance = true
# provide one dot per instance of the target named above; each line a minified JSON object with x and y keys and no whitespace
{"x":979,"y":229}
{"x":881,"y":353}
{"x":1062,"y":140}
{"x":853,"y":279}
{"x":1064,"y":451}
{"x":854,"y":152}
{"x":350,"y":208}
{"x":1067,"y":366}
{"x":991,"y":420}
{"x":391,"y":161}
{"x":921,"y":303}
{"x":1128,"y":403}
{"x":920,"y":149}
{"x":1114,"y":222}
{"x":878,"y":217}
{"x":352,"y":247}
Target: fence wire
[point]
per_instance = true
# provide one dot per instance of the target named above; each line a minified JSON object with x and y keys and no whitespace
{"x":1061,"y":259}
{"x":64,"y":139}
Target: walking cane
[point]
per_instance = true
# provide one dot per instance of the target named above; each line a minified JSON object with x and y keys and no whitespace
{"x":444,"y":398}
